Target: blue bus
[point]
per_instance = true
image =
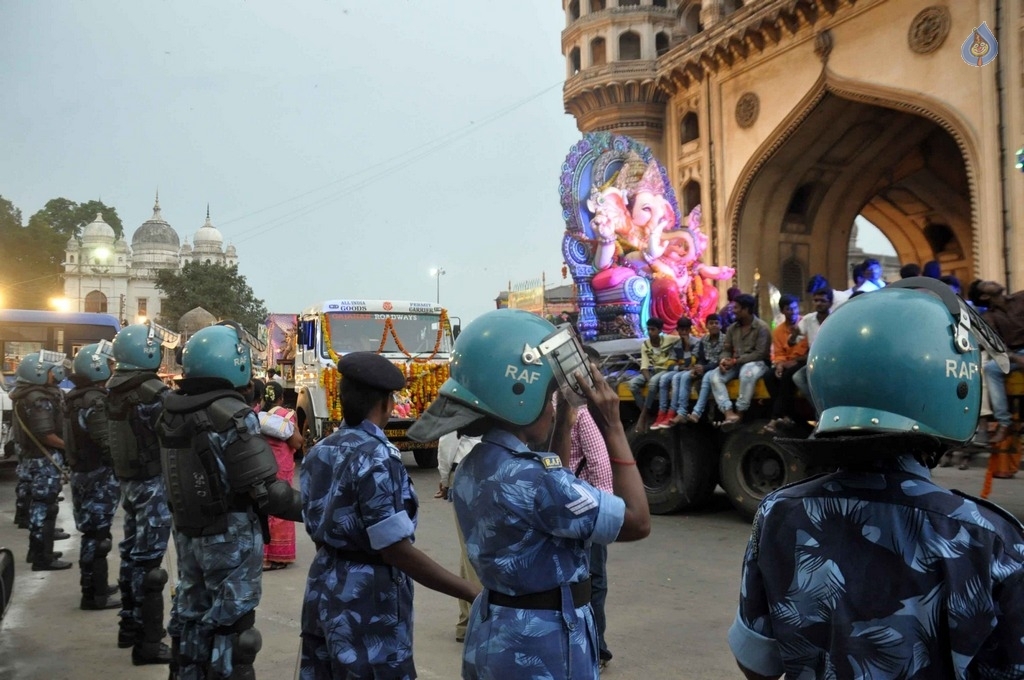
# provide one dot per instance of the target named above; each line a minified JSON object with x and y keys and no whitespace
{"x":23,"y":331}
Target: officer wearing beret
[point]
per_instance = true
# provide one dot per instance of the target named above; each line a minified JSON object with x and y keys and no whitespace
{"x":360,"y":509}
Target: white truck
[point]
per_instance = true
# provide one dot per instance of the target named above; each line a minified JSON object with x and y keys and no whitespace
{"x":416,"y":336}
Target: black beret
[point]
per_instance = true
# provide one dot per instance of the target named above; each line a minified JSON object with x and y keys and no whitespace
{"x":372,"y":370}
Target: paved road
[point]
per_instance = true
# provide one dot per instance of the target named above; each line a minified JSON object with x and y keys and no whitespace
{"x":671,"y":600}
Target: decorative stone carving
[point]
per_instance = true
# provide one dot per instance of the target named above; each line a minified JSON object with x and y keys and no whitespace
{"x":747,"y":109}
{"x":823,"y":45}
{"x":929,"y":29}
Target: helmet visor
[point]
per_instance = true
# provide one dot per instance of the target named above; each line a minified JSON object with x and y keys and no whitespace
{"x":104,"y":351}
{"x":47,"y":356}
{"x":564,"y":353}
{"x":164,"y":336}
{"x":244,"y":336}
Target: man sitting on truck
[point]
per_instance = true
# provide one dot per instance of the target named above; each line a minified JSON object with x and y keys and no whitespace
{"x":745,"y":354}
{"x":656,"y":357}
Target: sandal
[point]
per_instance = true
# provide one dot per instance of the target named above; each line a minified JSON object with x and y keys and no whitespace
{"x":769,"y":427}
{"x":274,"y":566}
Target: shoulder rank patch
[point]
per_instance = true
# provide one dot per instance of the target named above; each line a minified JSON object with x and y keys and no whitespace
{"x":551,"y":462}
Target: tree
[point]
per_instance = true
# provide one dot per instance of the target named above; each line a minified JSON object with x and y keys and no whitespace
{"x":69,"y":218}
{"x":218,"y":289}
{"x":33,"y":255}
{"x":30,"y":271}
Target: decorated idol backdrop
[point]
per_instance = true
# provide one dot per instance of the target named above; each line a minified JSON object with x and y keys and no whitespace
{"x":630,"y":257}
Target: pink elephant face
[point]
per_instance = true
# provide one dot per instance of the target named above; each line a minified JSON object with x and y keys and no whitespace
{"x":650,"y":210}
{"x":681,"y":246}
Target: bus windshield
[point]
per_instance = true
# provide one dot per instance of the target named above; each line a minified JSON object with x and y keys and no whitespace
{"x":359,"y":332}
{"x":23,"y":331}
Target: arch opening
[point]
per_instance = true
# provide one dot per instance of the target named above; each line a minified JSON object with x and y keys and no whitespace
{"x":899,"y":171}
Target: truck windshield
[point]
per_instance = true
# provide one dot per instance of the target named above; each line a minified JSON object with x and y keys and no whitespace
{"x":362,"y":332}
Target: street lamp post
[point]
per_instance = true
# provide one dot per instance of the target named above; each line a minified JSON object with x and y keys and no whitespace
{"x":438,"y":272}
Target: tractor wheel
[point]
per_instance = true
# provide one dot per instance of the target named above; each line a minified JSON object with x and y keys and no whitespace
{"x":752,"y":465}
{"x":677,"y":466}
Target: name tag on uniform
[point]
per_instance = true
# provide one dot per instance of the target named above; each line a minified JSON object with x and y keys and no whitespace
{"x":551,"y":462}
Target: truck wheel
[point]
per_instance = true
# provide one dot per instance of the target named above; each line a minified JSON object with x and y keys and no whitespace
{"x":425,"y":458}
{"x":677,"y":467}
{"x":753,"y":465}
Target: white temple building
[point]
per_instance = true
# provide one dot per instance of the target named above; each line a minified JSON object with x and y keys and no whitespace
{"x":105,"y":274}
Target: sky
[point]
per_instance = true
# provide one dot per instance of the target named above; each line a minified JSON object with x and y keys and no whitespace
{"x":345,"y":147}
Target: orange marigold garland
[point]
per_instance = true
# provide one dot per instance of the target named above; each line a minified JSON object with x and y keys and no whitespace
{"x":423,"y":378}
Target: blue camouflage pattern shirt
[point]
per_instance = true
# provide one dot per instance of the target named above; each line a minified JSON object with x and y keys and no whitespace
{"x":528,"y":528}
{"x":357,"y":618}
{"x":881,"y":575}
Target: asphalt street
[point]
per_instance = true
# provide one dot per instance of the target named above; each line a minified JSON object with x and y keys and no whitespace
{"x":671,"y":598}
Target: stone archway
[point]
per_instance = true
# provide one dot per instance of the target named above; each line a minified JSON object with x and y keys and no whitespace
{"x":95,"y":301}
{"x":903,"y":164}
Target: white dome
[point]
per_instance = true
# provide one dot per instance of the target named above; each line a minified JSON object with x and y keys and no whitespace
{"x":208,"y":239}
{"x":98,"y":231}
{"x":72,"y":244}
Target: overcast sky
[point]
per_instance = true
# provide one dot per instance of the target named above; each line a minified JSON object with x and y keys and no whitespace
{"x":345,"y":147}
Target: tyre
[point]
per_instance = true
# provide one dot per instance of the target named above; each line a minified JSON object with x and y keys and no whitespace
{"x":677,"y":467}
{"x":752,"y":465}
{"x":425,"y":458}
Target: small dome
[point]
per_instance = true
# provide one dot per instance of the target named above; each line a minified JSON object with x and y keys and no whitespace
{"x":208,"y":235}
{"x":98,"y":230}
{"x":186,"y":247}
{"x":195,"y":319}
{"x":155,"y":232}
{"x":121,"y":246}
{"x":73,"y":244}
{"x":231,"y":252}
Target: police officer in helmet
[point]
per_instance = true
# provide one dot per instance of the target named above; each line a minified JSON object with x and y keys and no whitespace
{"x":361,"y":510}
{"x":222,"y":484}
{"x":95,"y":491}
{"x":874,"y":570}
{"x":38,"y":429}
{"x":134,"y":404}
{"x":531,"y":548}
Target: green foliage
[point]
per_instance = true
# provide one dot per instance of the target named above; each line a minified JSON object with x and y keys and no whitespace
{"x":30,"y":271}
{"x":69,"y":218}
{"x":220,"y":290}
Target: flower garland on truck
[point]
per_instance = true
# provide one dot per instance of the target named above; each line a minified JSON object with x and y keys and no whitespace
{"x":423,"y":379}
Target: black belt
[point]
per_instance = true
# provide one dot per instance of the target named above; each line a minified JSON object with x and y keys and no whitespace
{"x":357,"y":556}
{"x":547,"y":599}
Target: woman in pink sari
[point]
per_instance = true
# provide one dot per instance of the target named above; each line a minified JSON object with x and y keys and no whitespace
{"x":281,"y":430}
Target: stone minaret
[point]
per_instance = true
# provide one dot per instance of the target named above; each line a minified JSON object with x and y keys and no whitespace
{"x":611,"y":49}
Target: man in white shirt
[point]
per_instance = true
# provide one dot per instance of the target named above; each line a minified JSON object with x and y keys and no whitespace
{"x":451,"y":449}
{"x":809,"y":325}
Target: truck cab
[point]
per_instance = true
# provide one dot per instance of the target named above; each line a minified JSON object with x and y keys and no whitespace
{"x":415,"y":336}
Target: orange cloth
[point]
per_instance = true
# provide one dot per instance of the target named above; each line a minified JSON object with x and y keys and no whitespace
{"x":781,"y":349}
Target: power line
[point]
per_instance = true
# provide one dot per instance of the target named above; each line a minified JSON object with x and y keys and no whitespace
{"x":389,"y":166}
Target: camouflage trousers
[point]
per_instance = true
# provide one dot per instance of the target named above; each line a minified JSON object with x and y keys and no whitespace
{"x":23,"y":487}
{"x":220,"y":581}
{"x":45,"y":487}
{"x":147,"y":528}
{"x":95,"y":495}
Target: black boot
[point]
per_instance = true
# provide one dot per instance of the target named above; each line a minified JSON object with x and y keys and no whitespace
{"x":21,"y":513}
{"x":31,"y":557}
{"x":99,"y":595}
{"x":149,"y":649}
{"x":247,"y":645}
{"x":127,"y":632}
{"x":44,"y":557}
{"x":128,"y":628}
{"x":60,"y":535}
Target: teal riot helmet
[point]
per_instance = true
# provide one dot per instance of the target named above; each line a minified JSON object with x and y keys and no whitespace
{"x":138,"y":347}
{"x":35,"y":368}
{"x":497,"y":368}
{"x":903,"y":360}
{"x":223,"y":351}
{"x":93,"y":361}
